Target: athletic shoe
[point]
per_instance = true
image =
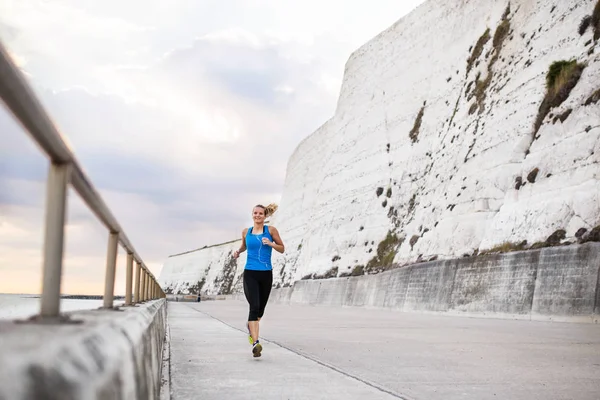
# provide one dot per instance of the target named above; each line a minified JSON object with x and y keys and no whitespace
{"x":256,"y":349}
{"x":249,"y":335}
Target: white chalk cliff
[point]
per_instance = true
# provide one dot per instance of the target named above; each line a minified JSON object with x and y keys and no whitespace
{"x":434,"y":150}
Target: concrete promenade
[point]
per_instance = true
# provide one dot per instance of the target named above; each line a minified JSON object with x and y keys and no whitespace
{"x":356,"y":353}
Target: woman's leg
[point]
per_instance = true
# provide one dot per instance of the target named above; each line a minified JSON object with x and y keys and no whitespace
{"x":264,"y":282}
{"x":247,"y":294}
{"x":252,"y":293}
{"x":265,"y":290}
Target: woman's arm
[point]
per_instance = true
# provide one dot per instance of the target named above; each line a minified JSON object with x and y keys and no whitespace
{"x":242,"y":248}
{"x":277,"y":243}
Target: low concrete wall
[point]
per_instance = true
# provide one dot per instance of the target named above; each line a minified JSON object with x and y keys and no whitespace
{"x":111,"y":355}
{"x":192,"y":298}
{"x":558,"y":283}
{"x":184,"y":298}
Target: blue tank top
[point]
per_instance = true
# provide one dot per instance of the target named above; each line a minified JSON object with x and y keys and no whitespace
{"x":259,"y":254}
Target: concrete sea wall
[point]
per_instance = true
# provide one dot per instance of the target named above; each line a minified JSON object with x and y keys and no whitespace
{"x":559,"y":283}
{"x":109,"y":355}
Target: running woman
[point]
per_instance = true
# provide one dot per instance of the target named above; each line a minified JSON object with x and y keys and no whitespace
{"x":259,"y":240}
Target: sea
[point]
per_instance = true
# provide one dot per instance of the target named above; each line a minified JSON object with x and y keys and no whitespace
{"x":21,"y":306}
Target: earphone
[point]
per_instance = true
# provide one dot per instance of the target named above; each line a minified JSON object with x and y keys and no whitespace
{"x":259,"y":249}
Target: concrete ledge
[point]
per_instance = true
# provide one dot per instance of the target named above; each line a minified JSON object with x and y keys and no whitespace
{"x":111,"y":355}
{"x":165,"y":388}
{"x":550,"y":284}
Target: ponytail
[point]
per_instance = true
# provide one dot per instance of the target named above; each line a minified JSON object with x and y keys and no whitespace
{"x":269,"y":210}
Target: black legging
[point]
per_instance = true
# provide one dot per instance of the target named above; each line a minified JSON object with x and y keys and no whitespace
{"x":257,"y":288}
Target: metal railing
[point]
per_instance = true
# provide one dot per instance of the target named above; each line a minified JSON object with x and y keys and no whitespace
{"x":64,"y":170}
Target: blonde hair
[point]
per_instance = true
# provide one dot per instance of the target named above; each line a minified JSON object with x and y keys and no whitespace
{"x":269,"y":210}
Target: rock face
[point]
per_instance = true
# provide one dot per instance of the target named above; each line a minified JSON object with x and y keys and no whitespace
{"x":210,"y":269}
{"x":468,"y":126}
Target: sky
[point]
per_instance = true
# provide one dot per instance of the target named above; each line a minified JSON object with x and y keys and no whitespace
{"x":183,"y":113}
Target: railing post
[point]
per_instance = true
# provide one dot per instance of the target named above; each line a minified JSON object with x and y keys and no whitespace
{"x":56,"y":204}
{"x":149,"y":287}
{"x":144,"y":284}
{"x":142,"y":278}
{"x":129,"y":279}
{"x":111,"y":266}
{"x":138,"y":268}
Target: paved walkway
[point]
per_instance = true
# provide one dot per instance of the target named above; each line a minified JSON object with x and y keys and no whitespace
{"x":353,"y":353}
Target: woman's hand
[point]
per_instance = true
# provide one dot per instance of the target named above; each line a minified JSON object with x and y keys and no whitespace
{"x":277,"y":243}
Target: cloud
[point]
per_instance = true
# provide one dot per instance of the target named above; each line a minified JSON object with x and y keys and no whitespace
{"x":193,"y":114}
{"x":253,"y":67}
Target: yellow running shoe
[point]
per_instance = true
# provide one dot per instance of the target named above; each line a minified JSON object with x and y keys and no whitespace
{"x":249,"y":335}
